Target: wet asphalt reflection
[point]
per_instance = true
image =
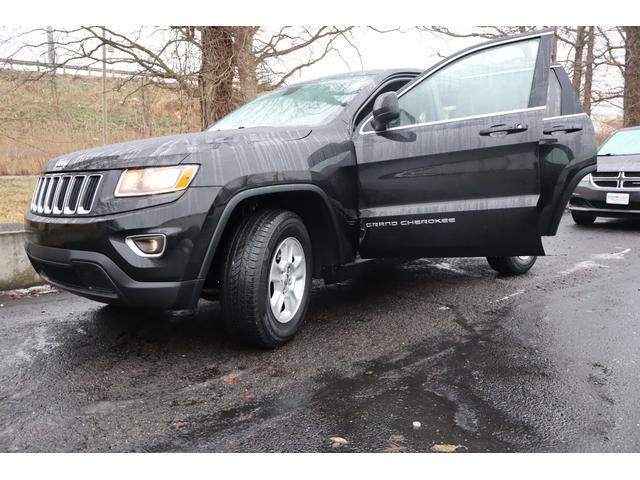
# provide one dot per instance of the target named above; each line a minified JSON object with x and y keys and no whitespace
{"x":543,"y":362}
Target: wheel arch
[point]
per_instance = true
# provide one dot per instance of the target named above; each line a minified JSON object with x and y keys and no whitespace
{"x":309,"y":201}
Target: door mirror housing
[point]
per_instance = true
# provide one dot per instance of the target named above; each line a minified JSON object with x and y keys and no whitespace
{"x":385,"y":110}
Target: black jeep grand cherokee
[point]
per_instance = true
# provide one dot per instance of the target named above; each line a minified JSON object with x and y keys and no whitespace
{"x":476,"y":156}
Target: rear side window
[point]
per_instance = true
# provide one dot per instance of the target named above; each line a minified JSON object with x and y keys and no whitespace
{"x":554,"y":96}
{"x":494,"y":80}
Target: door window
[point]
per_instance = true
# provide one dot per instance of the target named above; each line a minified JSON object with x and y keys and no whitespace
{"x":554,"y":96}
{"x":494,"y":80}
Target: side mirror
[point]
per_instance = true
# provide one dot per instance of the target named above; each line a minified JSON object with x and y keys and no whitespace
{"x":385,"y":110}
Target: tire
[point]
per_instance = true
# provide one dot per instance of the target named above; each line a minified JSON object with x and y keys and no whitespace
{"x":254,"y":251}
{"x":512,"y":265}
{"x":583,"y":218}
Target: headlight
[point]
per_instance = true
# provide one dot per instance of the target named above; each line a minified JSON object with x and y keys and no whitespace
{"x":148,"y":181}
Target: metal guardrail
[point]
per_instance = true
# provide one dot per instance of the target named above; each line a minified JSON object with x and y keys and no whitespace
{"x":9,"y":63}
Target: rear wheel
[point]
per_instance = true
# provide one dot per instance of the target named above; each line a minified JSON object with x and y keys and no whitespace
{"x":583,"y":218}
{"x":512,"y":265}
{"x":267,"y":278}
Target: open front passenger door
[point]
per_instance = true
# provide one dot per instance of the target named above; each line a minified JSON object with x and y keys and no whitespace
{"x":458,"y":173}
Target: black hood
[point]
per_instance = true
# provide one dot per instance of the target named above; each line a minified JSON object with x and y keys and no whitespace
{"x":169,"y":150}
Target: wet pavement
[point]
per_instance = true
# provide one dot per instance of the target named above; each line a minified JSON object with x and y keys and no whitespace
{"x":544,"y":362}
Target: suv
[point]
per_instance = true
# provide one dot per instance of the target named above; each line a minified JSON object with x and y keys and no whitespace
{"x":614,"y":190}
{"x":476,"y":156}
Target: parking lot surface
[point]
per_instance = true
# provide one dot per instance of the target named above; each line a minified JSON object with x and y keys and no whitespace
{"x":548,"y":361}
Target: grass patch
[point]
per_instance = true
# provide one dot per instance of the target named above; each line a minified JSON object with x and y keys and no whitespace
{"x":42,"y":117}
{"x":15,"y":197}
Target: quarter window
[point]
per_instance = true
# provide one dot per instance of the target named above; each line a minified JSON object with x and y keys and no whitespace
{"x":494,"y":80}
{"x":554,"y":96}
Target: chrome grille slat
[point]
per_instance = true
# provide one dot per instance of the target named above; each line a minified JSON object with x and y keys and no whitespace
{"x":36,"y":191}
{"x":51,"y":193}
{"x":616,"y":180}
{"x":42,"y":194}
{"x":59,"y":202}
{"x":74,"y":194}
{"x":61,"y":195}
{"x":89,"y":194}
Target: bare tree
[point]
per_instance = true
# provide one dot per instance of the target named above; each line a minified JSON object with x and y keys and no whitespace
{"x":221,"y":66}
{"x":632,"y":77}
{"x":577,"y":59}
{"x":588,"y":75}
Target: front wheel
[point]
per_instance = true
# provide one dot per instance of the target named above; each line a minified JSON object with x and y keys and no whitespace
{"x":512,"y":265}
{"x":267,"y":278}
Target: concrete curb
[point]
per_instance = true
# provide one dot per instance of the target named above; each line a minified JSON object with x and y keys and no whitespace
{"x":15,"y":269}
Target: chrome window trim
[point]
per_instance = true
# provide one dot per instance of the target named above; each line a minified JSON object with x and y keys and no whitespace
{"x":460,"y":119}
{"x":557,"y":117}
{"x":421,"y":78}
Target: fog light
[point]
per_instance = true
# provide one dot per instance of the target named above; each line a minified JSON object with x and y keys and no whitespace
{"x":147,"y":245}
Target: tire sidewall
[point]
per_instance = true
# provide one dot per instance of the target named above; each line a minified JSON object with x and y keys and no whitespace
{"x":521,"y":265}
{"x":280,"y":332}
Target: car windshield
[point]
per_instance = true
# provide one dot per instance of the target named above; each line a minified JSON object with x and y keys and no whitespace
{"x":625,"y":142}
{"x":307,"y":104}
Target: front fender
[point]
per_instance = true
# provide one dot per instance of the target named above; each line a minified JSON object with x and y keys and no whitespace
{"x":225,"y":210}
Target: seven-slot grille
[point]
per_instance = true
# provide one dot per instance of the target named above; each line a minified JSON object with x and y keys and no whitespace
{"x":620,"y":180}
{"x":65,"y":194}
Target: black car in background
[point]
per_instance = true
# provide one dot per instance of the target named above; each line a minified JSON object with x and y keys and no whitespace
{"x":475,"y":156}
{"x":614,"y":189}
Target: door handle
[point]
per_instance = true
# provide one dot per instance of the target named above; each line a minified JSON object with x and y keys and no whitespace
{"x":561,"y":129}
{"x":502,"y":129}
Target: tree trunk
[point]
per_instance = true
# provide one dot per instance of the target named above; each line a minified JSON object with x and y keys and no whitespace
{"x":588,"y":76}
{"x":632,"y":77}
{"x":554,"y":46}
{"x":246,"y":62}
{"x":577,"y":59}
{"x":215,"y":79}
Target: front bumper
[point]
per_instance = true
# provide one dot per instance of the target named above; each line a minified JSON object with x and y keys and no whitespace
{"x":587,"y":198}
{"x":89,"y":256}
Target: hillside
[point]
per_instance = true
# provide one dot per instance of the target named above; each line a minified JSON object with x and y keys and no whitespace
{"x":41,"y":118}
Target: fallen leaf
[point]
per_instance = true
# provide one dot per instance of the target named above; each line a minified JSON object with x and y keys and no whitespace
{"x":396,"y":444}
{"x":338,"y":442}
{"x":180,"y":423}
{"x":230,"y":379}
{"x":246,"y":397}
{"x":445,"y":447}
{"x":393,"y":448}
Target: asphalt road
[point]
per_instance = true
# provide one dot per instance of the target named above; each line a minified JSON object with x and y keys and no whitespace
{"x":544,"y":362}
